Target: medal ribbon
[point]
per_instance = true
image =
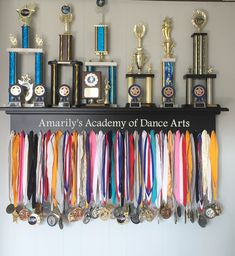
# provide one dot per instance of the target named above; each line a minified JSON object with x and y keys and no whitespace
{"x":55,"y":168}
{"x":131,"y":165}
{"x":74,"y":168}
{"x":177,"y":167}
{"x":214,"y":151}
{"x":15,"y":167}
{"x":154,"y":166}
{"x":21,"y":166}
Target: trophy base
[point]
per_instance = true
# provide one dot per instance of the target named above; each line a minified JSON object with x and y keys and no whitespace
{"x":64,"y":105}
{"x":199,"y":104}
{"x":39,"y":104}
{"x":135,"y":105}
{"x":168,"y":105}
{"x":16,"y":104}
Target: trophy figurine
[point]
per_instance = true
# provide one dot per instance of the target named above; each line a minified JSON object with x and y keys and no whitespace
{"x":168,"y":66}
{"x":65,"y":95}
{"x":138,"y":79}
{"x":98,"y":95}
{"x":31,"y":89}
{"x":200,"y":79}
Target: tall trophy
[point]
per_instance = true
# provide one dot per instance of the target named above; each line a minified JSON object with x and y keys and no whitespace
{"x":23,"y":91}
{"x":140,"y":82}
{"x":99,"y":83}
{"x":168,"y":66}
{"x":65,"y":94}
{"x":200,"y":79}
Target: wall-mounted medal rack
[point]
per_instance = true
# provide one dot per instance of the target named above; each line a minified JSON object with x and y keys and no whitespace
{"x":36,"y":119}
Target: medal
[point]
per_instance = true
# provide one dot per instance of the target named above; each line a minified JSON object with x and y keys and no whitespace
{"x":192,"y":216}
{"x":165,"y":212}
{"x":52,"y":219}
{"x":10,"y":208}
{"x":95,"y":212}
{"x":34,"y":219}
{"x":61,"y":224}
{"x":202,"y":221}
{"x":75,"y":214}
{"x":24,"y":214}
{"x":210,"y":212}
{"x":178,"y":210}
{"x":87,"y":217}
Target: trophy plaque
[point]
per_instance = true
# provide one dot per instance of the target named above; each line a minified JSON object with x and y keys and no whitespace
{"x":200,"y":79}
{"x":143,"y":79}
{"x":66,"y":60}
{"x":168,"y":66}
{"x":107,"y":70}
{"x":27,"y":88}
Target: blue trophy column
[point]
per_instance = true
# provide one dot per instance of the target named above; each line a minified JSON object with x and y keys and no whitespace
{"x":113,"y":85}
{"x":38,"y":68}
{"x":90,"y":68}
{"x":12,"y":70}
{"x":25,"y":36}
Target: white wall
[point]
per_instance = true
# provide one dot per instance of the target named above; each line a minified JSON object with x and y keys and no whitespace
{"x":109,"y":238}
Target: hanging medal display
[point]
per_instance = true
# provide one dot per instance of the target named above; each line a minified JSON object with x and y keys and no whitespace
{"x":121,"y":175}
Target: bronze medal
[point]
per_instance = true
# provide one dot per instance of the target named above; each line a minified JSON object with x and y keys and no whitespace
{"x":24,"y":214}
{"x":38,"y":208}
{"x":19,"y":208}
{"x":165,"y":212}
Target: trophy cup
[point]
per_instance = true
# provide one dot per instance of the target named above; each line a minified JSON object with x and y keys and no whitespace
{"x":168,"y":66}
{"x":65,"y":95}
{"x":144,"y":90}
{"x":200,"y":80}
{"x":99,"y":84}
{"x":24,"y":92}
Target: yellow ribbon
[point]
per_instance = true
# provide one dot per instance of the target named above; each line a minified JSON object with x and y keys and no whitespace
{"x":214,"y":162}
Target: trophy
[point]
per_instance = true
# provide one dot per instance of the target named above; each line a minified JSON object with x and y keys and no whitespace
{"x":99,"y":84}
{"x":200,"y":79}
{"x":24,"y":92}
{"x":66,"y":95}
{"x":168,"y":66}
{"x":140,"y":83}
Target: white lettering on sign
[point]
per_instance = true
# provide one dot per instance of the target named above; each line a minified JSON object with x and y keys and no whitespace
{"x":119,"y":124}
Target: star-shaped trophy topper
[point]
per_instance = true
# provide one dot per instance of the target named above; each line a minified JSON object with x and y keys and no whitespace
{"x":25,"y":80}
{"x":26,"y":12}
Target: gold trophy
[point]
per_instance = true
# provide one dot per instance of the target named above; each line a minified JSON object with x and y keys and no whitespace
{"x":168,"y":65}
{"x":140,"y":93}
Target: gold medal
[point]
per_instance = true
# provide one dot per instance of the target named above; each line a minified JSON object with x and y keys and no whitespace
{"x":76,"y":214}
